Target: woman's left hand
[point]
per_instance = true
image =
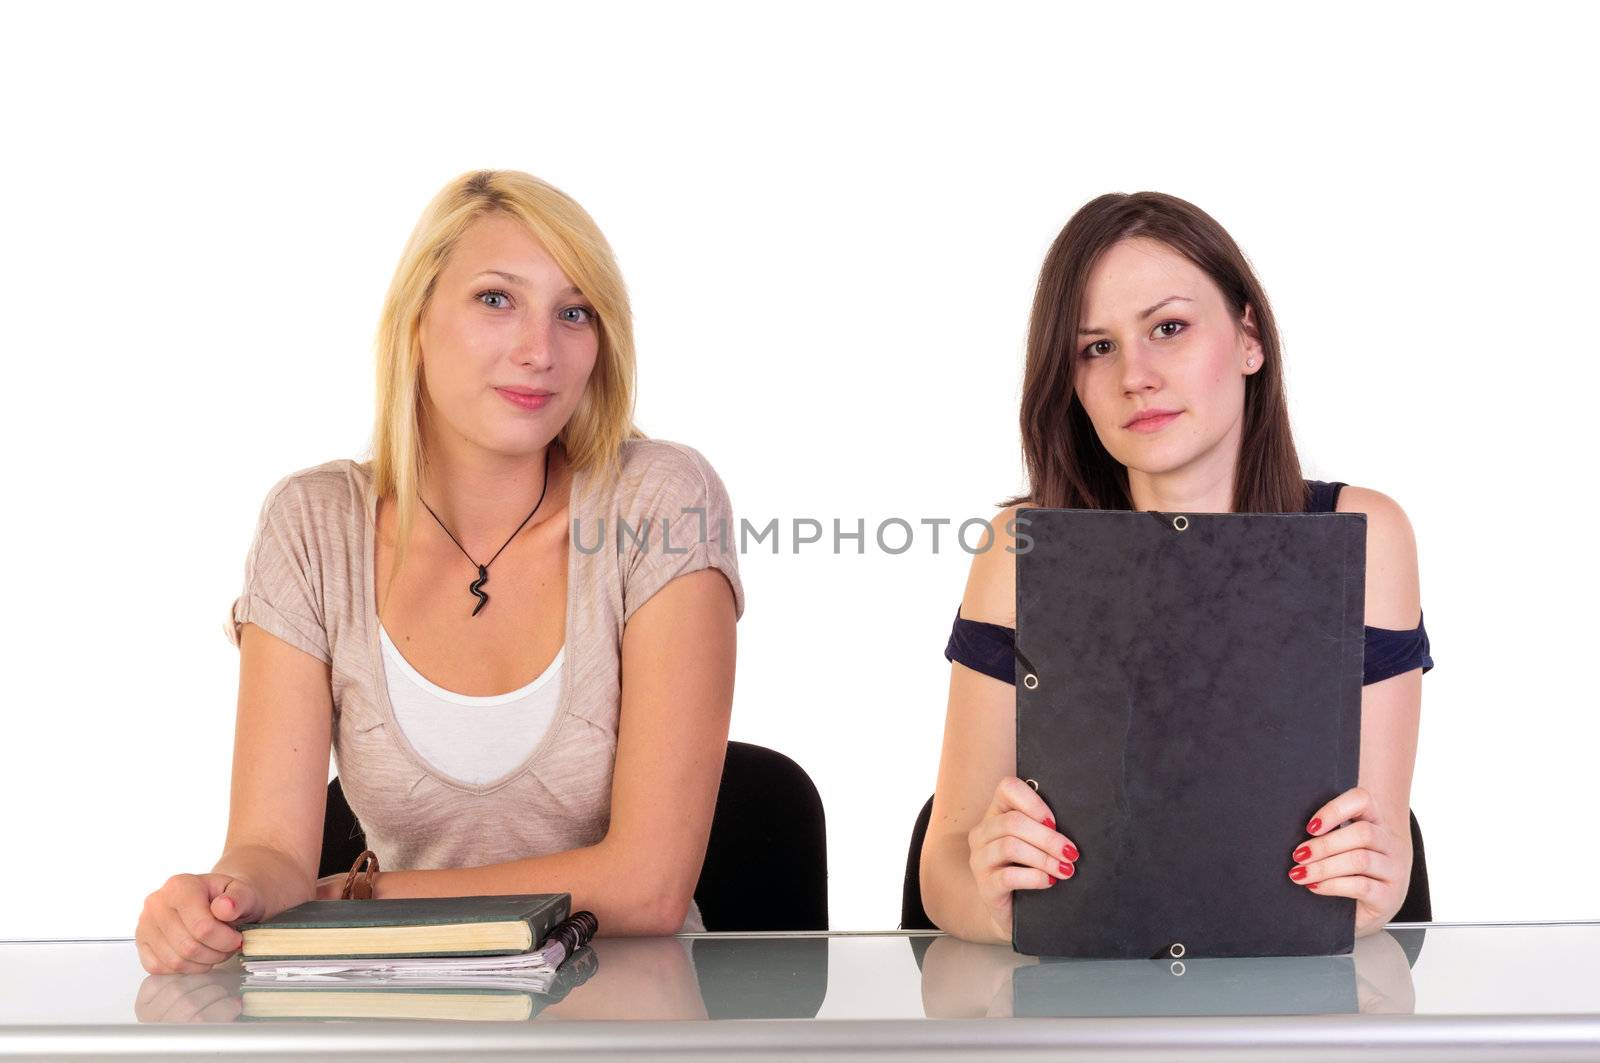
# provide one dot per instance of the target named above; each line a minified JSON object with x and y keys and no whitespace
{"x":1353,"y":853}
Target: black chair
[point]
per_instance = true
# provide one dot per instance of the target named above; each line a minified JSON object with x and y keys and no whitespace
{"x":766,"y":865}
{"x":342,"y":837}
{"x":1416,"y":908}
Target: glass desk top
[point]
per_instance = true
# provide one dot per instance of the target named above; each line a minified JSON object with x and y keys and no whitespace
{"x":1525,"y":991}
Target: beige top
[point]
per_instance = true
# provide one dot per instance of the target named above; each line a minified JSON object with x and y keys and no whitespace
{"x":309,"y":581}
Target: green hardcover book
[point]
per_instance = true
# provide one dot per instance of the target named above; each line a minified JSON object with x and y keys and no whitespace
{"x":408,"y":926}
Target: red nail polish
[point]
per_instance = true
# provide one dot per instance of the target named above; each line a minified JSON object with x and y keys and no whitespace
{"x":1298,"y":873}
{"x":1067,"y":871}
{"x":1311,"y":885}
{"x":1302,"y":854}
{"x":1314,"y":826}
{"x":1048,"y":822}
{"x":1069,"y":852}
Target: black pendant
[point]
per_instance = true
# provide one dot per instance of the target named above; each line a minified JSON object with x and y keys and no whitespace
{"x":476,"y":588}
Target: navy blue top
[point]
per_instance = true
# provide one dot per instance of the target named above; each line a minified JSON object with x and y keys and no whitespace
{"x":989,"y":648}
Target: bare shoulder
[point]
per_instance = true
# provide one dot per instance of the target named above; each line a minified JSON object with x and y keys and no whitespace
{"x":1388,"y":527}
{"x":991,"y":594}
{"x":1393,"y":595}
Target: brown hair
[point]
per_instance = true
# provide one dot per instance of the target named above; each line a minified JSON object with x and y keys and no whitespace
{"x":1067,"y":465}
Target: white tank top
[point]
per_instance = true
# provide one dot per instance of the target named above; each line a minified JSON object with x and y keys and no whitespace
{"x":471,"y":739}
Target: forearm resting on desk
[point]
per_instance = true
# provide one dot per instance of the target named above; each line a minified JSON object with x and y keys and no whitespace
{"x":629,"y":895}
{"x":279,"y":882}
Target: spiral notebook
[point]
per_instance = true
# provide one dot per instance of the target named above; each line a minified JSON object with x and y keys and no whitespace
{"x":1189,"y":693}
{"x":381,"y":997}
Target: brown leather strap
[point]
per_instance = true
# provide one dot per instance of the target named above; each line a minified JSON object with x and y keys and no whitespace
{"x":360,"y":889}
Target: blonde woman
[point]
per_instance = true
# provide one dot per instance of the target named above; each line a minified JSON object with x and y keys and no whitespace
{"x":456,"y":616}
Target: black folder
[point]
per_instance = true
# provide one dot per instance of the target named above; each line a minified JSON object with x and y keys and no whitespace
{"x":1188,"y":695}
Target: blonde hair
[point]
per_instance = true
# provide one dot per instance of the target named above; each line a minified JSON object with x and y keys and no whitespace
{"x":592,"y":438}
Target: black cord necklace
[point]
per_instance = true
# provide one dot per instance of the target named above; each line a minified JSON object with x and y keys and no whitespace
{"x":483,"y":570}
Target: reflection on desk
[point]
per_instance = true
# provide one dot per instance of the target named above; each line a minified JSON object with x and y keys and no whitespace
{"x":1511,"y":991}
{"x":711,"y":977}
{"x":787,"y":978}
{"x":964,"y":980}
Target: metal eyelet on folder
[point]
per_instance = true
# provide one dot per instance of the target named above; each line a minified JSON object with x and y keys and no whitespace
{"x":1030,"y":681}
{"x":1033,"y":783}
{"x":1176,"y":950}
{"x":1178,"y":968}
{"x":1180,"y":522}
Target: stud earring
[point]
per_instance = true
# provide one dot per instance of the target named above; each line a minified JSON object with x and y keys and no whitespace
{"x":1250,"y":363}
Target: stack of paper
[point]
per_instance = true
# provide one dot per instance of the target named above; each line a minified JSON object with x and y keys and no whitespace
{"x":531,"y":972}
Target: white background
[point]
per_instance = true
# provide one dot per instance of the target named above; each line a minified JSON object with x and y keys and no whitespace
{"x":831,"y":218}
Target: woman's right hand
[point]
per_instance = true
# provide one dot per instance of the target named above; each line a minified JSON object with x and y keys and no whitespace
{"x":184,"y":927}
{"x":1016,"y":847}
